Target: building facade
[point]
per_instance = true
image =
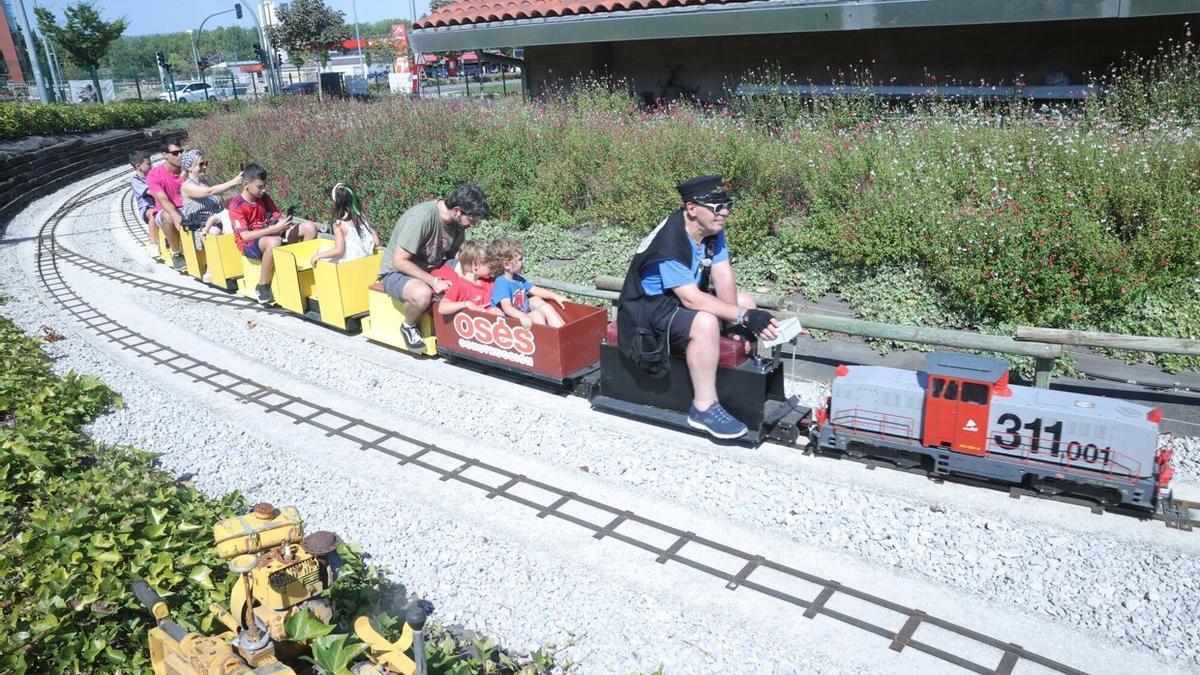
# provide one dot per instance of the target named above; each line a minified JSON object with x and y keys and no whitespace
{"x":708,"y":49}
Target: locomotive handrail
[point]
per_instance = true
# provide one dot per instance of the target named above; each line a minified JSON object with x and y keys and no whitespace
{"x":1119,"y":460}
{"x":845,"y":418}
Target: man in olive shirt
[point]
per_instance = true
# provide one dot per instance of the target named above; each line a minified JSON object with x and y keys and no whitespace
{"x":426,"y":237}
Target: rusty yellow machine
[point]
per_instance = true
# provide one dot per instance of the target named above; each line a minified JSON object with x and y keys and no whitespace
{"x":281,"y":573}
{"x":287,"y":571}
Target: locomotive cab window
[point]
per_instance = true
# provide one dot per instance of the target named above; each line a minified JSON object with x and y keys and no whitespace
{"x":951,"y":393}
{"x":974,"y":393}
{"x":938,"y":385}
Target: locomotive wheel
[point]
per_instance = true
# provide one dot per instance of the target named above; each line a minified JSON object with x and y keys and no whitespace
{"x":1047,"y":486}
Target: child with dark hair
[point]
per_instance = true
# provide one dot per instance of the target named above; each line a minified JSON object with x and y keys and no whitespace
{"x":353,"y":236}
{"x":514,"y":295}
{"x":260,"y":227}
{"x":140,"y":161}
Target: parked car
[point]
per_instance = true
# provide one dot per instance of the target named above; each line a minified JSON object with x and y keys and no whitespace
{"x":299,"y":89}
{"x":190,"y":92}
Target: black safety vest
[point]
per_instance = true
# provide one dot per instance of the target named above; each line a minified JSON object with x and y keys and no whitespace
{"x":643,"y":321}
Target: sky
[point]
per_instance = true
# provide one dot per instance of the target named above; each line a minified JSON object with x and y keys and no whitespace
{"x":157,"y":16}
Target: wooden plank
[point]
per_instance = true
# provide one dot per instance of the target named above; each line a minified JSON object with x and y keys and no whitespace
{"x":574,"y":289}
{"x":1140,"y":343}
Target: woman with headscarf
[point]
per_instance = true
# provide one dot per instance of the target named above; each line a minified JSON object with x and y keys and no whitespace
{"x":202,"y":203}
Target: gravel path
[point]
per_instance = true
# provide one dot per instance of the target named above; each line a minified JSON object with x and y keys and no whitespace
{"x":497,"y":570}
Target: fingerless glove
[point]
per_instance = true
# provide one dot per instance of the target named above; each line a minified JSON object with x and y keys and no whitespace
{"x":757,"y":320}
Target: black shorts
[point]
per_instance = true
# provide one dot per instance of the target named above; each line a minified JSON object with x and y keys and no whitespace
{"x":680,"y":331}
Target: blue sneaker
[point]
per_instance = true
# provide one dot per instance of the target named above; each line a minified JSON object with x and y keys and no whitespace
{"x":716,"y":421}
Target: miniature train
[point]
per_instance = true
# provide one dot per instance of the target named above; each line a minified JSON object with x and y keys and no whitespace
{"x":959,"y":417}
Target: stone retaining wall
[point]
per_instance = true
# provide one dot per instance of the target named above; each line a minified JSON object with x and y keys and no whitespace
{"x":33,"y":173}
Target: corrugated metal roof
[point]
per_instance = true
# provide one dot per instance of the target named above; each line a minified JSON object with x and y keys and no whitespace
{"x":466,"y":12}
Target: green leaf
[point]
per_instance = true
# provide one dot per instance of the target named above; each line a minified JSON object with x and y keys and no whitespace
{"x":157,"y":515}
{"x":333,"y":654}
{"x":115,"y":656}
{"x":109,"y":557}
{"x":200,"y":576}
{"x":304,"y":626}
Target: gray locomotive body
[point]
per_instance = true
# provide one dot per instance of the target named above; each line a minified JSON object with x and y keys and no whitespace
{"x":962,"y":417}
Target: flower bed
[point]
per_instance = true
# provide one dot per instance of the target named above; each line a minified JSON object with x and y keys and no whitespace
{"x":1005,"y":214}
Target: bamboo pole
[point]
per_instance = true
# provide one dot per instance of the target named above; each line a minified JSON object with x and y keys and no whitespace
{"x":1139,"y":343}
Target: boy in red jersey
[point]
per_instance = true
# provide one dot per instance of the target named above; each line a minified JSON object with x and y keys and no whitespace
{"x":259,"y":227}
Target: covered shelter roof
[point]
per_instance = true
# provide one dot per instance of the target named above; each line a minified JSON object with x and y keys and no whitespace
{"x":481,"y":24}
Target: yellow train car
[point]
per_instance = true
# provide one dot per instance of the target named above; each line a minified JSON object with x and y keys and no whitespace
{"x":194,"y":259}
{"x":223,"y":261}
{"x":386,"y":315}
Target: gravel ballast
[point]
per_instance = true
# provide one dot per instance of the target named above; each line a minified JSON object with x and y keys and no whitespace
{"x":500,"y":571}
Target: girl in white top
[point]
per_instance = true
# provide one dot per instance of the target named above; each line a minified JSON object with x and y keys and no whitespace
{"x":353,"y":236}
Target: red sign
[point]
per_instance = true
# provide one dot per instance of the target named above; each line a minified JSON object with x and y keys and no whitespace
{"x":551,"y":352}
{"x":403,"y":64}
{"x":478,"y":331}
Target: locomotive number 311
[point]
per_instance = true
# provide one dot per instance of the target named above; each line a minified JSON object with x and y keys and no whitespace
{"x":1011,"y":440}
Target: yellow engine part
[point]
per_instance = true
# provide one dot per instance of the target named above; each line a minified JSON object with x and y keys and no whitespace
{"x":387,"y":315}
{"x":282,"y":587}
{"x":383,"y":652}
{"x":223,"y":260}
{"x":199,"y":654}
{"x":342,"y":288}
{"x":263,"y":528}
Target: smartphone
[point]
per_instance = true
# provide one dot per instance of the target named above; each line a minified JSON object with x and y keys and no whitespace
{"x":291,"y":211}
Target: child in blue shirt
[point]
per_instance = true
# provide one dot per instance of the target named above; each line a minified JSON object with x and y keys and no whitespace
{"x":514,"y":295}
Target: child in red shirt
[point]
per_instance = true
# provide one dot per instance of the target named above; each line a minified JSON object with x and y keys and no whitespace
{"x":473,"y":288}
{"x":259,"y":227}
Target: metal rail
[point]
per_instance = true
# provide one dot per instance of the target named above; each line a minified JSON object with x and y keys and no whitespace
{"x":1176,"y":514}
{"x":497,"y":482}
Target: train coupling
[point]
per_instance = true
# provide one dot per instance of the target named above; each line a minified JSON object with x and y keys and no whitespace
{"x":791,"y":422}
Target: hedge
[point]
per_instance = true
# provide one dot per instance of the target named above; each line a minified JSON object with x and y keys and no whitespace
{"x":32,"y":119}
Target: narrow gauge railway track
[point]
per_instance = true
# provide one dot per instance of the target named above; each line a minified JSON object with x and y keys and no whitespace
{"x":1184,"y":514}
{"x":411,"y":451}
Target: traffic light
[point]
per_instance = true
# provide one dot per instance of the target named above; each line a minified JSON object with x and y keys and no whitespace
{"x":161,"y":59}
{"x":237,"y":9}
{"x":260,"y":54}
{"x":202,"y":64}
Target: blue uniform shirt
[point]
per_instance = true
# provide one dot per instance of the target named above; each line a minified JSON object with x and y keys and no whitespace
{"x":667,"y":274}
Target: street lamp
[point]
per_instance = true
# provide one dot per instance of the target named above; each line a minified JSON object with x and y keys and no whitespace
{"x":195,"y":54}
{"x":358,"y":39}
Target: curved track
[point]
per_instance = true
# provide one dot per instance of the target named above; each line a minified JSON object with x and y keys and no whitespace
{"x":688,"y":549}
{"x":1180,"y":514}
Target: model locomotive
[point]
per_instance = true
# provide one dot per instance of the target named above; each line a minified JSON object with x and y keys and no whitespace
{"x":962,"y":417}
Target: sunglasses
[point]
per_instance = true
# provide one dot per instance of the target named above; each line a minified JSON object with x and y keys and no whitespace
{"x":203,"y":165}
{"x":717,"y":207}
{"x":175,"y":152}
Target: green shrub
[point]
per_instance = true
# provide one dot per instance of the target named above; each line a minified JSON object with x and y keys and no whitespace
{"x":80,"y":523}
{"x":32,"y":119}
{"x":1062,"y":220}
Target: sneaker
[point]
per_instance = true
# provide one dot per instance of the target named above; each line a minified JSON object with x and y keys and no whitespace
{"x":716,"y":421}
{"x":207,"y":278}
{"x":412,"y":337}
{"x":264,"y":293}
{"x":177,"y":261}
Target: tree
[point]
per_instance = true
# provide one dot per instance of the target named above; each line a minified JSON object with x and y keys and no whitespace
{"x":85,"y":38}
{"x":435,"y":5}
{"x":309,"y":29}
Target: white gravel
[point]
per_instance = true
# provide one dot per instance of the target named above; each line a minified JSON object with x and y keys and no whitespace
{"x":1106,"y":593}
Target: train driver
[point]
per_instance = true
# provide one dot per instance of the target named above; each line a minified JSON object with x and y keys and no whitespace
{"x":679,"y":290}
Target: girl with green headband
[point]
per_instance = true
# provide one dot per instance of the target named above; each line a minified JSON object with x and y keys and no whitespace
{"x":353,"y":236}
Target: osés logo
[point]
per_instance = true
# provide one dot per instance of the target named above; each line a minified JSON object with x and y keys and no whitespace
{"x":498,"y":333}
